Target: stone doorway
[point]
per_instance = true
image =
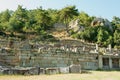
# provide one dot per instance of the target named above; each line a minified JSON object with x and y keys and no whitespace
{"x":106,"y":63}
{"x":115,"y":63}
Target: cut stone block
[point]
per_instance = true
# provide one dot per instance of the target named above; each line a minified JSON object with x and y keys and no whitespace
{"x":75,"y":68}
{"x":42,"y":71}
{"x":64,"y":70}
{"x":52,"y":70}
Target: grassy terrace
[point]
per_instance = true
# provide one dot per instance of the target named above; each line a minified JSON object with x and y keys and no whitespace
{"x":93,"y":75}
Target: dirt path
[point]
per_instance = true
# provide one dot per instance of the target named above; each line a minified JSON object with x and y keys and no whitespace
{"x":94,"y":75}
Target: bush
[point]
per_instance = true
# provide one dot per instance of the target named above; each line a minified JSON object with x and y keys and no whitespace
{"x":76,"y":36}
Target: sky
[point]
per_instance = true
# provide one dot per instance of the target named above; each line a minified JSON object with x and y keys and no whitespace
{"x":99,"y":8}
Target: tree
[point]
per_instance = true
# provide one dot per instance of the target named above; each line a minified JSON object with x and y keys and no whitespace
{"x":42,"y":19}
{"x":116,"y":20}
{"x":4,"y":20}
{"x":5,"y":16}
{"x":18,"y":20}
{"x":85,"y":19}
{"x":117,"y":37}
{"x":53,"y":14}
{"x":89,"y":34}
{"x":99,"y":34}
{"x":66,"y":14}
{"x":104,"y":37}
{"x":116,"y":23}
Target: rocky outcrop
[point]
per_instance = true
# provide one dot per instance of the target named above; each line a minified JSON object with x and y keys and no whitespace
{"x":101,"y":22}
{"x":59,"y":26}
{"x":75,"y":26}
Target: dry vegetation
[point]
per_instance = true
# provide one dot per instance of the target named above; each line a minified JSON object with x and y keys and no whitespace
{"x":93,"y":75}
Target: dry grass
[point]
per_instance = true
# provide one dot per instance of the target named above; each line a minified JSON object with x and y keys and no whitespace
{"x":94,"y":75}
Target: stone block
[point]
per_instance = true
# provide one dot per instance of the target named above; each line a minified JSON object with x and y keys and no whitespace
{"x":34,"y":71}
{"x":64,"y":70}
{"x":75,"y":68}
{"x":42,"y":71}
{"x":52,"y":70}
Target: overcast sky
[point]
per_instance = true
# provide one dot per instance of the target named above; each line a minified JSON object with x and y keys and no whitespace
{"x":100,"y":8}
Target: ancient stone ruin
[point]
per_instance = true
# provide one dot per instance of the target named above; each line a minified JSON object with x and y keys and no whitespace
{"x":26,"y":57}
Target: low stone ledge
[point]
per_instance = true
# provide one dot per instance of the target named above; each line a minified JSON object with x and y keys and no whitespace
{"x":52,"y":71}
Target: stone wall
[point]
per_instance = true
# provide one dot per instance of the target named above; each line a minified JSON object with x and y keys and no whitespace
{"x":44,"y":60}
{"x":61,"y":54}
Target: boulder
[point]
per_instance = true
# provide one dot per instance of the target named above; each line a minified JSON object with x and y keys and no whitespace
{"x":101,"y":22}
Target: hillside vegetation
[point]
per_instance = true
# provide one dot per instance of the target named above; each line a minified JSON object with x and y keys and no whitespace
{"x":38,"y":24}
